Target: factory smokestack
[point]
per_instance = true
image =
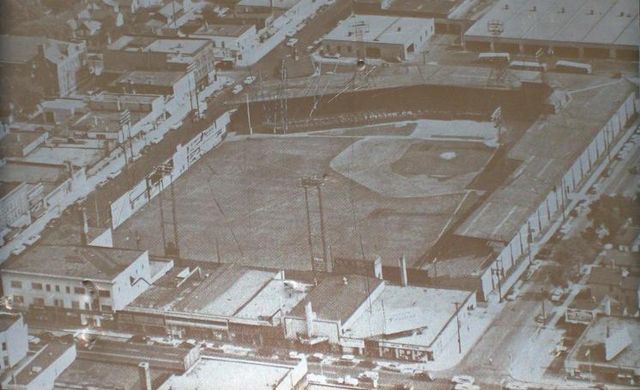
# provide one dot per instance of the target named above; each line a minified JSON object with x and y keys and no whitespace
{"x":84,"y":235}
{"x":403,"y":271}
{"x":145,"y":376}
{"x":377,"y":268}
{"x":308,"y":314}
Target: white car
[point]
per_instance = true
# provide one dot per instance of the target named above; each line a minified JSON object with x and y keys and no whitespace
{"x":249,"y":80}
{"x":463,"y":379}
{"x":237,"y":89}
{"x":102,"y":182}
{"x":557,"y":294}
{"x":332,"y":55}
{"x":19,"y":249}
{"x":291,"y":42}
{"x":32,"y":240}
{"x":466,"y":386}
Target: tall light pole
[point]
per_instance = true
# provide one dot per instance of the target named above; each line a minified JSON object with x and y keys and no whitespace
{"x":317,"y":182}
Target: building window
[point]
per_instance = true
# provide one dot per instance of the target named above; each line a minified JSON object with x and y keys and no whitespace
{"x":87,"y":306}
{"x":106,"y":308}
{"x":78,"y":290}
{"x":38,"y":301}
{"x":48,"y":287}
{"x":67,"y":289}
{"x":4,"y":346}
{"x":75,"y":305}
{"x":19,"y":299}
{"x":36,"y":286}
{"x":105,"y":294}
{"x":5,"y":360}
{"x":57,"y":288}
{"x":58,"y":302}
{"x":16,"y":284}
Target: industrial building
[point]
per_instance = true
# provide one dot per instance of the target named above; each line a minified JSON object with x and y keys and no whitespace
{"x":386,"y":37}
{"x":13,"y":336}
{"x":228,"y":302}
{"x":161,"y":54}
{"x":87,"y":282}
{"x":564,"y":28}
{"x":368,"y":316}
{"x":231,"y":374}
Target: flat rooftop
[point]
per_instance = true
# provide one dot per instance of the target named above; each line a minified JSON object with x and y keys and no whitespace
{"x":396,"y":192}
{"x":274,"y":299}
{"x":87,"y":262}
{"x":43,"y":359}
{"x":337,"y":297}
{"x":282,"y":4}
{"x":7,"y":320}
{"x":79,"y":156}
{"x":434,"y":8}
{"x":92,"y":373}
{"x":32,"y":173}
{"x":109,"y":97}
{"x":379,"y":29}
{"x":603,"y":22}
{"x":226,"y":291}
{"x":546,"y":152}
{"x":223,"y":30}
{"x":408,"y":309}
{"x":104,"y":121}
{"x":159,"y":79}
{"x":232,"y":374}
{"x":593,"y":339}
{"x":185,"y":46}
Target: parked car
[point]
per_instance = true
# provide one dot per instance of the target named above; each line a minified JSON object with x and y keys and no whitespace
{"x":463,"y":379}
{"x":557,"y":294}
{"x":422,"y":376}
{"x":249,"y":80}
{"x":466,"y":386}
{"x":291,"y":42}
{"x":237,"y":89}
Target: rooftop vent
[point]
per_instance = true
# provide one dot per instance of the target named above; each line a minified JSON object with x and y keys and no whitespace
{"x":534,"y":9}
{"x":506,"y":6}
{"x":592,"y":12}
{"x":562,"y":10}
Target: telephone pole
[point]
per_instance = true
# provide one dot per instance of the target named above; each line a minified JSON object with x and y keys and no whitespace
{"x":458,"y":323}
{"x":498,"y":272}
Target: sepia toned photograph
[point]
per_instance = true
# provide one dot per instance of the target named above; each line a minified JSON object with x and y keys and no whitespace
{"x":319,"y":194}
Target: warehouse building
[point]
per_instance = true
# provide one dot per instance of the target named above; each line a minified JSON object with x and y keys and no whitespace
{"x":385,"y":37}
{"x":565,"y":28}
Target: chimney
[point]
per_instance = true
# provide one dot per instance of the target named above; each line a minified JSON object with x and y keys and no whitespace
{"x":308,"y":315}
{"x":377,"y":268}
{"x":145,"y":376}
{"x":84,"y":236}
{"x":403,"y":271}
{"x":69,"y":168}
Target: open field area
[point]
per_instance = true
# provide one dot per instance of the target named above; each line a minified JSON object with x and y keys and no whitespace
{"x":244,"y":200}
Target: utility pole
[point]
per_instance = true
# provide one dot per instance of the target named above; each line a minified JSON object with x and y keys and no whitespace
{"x":544,"y":315}
{"x":174,"y":218}
{"x":248,"y":114}
{"x":458,"y":323}
{"x":283,"y":98}
{"x":498,"y":272}
{"x":306,"y":203}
